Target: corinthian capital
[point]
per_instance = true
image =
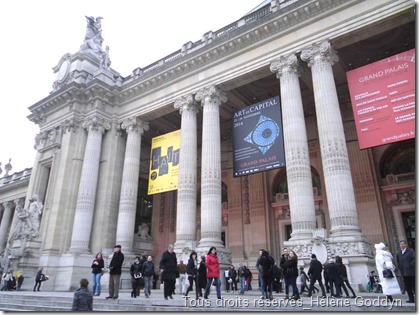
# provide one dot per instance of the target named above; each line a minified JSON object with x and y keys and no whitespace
{"x":96,"y":123}
{"x":212,"y":94}
{"x":134,"y":124}
{"x":322,"y":51}
{"x":186,"y":103}
{"x":286,"y":64}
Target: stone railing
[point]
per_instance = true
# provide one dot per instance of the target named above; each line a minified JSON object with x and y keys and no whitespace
{"x":400,"y":178}
{"x":26,"y":173}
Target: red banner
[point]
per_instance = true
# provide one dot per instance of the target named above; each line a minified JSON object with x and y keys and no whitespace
{"x":383,"y":100}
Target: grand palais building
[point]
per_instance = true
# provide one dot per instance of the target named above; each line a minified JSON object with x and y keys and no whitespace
{"x":96,"y":161}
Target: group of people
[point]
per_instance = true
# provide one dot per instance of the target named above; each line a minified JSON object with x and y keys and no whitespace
{"x":12,"y":282}
{"x":205,"y":273}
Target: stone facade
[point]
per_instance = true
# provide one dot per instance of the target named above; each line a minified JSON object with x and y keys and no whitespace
{"x":93,"y":150}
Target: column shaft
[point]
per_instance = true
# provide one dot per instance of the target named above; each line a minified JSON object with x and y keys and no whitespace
{"x":5,"y":224}
{"x":129,"y":187}
{"x":186,"y":200}
{"x":211,"y":98}
{"x":300,"y":186}
{"x":337,"y":173}
{"x":83,"y":219}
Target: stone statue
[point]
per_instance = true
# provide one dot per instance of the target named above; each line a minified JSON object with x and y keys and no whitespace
{"x":35,"y":211}
{"x":143,"y":231}
{"x":8,"y":167}
{"x":106,"y":61}
{"x":23,"y":228}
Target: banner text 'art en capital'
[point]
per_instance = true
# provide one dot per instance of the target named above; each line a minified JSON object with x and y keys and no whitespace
{"x":164,"y":163}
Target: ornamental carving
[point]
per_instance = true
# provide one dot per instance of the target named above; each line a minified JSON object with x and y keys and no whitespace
{"x":212,"y":94}
{"x":186,"y":103}
{"x":96,"y":123}
{"x":322,"y":51}
{"x":134,"y":124}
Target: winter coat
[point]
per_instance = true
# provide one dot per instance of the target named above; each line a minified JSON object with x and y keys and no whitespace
{"x":115,"y":267}
{"x":168,"y":263}
{"x":202,"y":274}
{"x":291,"y":265}
{"x":147,"y":269}
{"x":315,"y":270}
{"x":406,"y":262}
{"x":266,"y":263}
{"x":82,"y":300}
{"x":390,"y":286}
{"x":191,"y":268}
{"x":213,"y":266}
{"x":136,"y":270}
{"x":98,"y":268}
{"x":333,"y":271}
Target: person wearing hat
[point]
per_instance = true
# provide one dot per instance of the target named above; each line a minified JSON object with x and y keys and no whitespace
{"x":115,"y":270}
{"x":384,"y":260}
{"x":315,"y":274}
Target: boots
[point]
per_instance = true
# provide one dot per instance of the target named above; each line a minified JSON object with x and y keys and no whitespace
{"x":137,"y":291}
{"x":133,"y":294}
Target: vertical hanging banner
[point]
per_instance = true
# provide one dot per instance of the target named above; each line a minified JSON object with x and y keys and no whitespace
{"x":258,"y":143}
{"x":164,"y":163}
{"x":384,"y":100}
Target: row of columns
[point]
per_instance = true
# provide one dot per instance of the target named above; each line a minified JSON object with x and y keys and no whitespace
{"x":342,"y":207}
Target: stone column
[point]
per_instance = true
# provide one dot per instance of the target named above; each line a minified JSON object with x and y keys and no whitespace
{"x":186,"y":193}
{"x":6,"y":221}
{"x":82,"y":226}
{"x":129,"y":188}
{"x":300,"y":186}
{"x":211,"y":98}
{"x":335,"y":160}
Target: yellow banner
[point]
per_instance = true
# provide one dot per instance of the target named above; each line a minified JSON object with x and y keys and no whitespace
{"x":164,"y":163}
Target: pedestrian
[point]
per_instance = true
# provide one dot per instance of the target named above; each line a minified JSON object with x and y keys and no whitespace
{"x":115,"y":270}
{"x":192,"y":271}
{"x":326,"y":277}
{"x":168,"y":268}
{"x":334,"y":278}
{"x":277,"y":283}
{"x":344,"y":277}
{"x":315,"y":274}
{"x":292,"y":273}
{"x":202,"y":276}
{"x":406,"y":260}
{"x":266,"y":263}
{"x":227,"y":278}
{"x":283,"y":264}
{"x":83,"y":298}
{"x":244,"y":274}
{"x":181,"y":268}
{"x":260,"y":270}
{"x":19,"y":280}
{"x":7,"y":281}
{"x":148,"y":272}
{"x":232,"y":274}
{"x":136,"y":275}
{"x":213,"y":273}
{"x":39,"y":278}
{"x":304,"y":280}
{"x":384,"y":260}
{"x":97,"y":271}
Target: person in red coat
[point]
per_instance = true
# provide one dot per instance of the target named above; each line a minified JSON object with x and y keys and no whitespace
{"x":213,"y":272}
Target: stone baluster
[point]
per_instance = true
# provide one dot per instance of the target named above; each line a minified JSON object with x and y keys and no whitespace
{"x":186,"y":200}
{"x":300,"y":187}
{"x":82,"y":226}
{"x":335,"y":160}
{"x":129,"y":188}
{"x":211,"y":99}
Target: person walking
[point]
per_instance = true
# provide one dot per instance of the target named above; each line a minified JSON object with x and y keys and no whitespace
{"x":344,"y":277}
{"x":315,"y":274}
{"x":334,"y":278}
{"x":136,"y":276}
{"x":97,"y":266}
{"x":168,"y":266}
{"x":148,"y":272}
{"x":192,"y":271}
{"x":39,"y":276}
{"x":406,"y":260}
{"x":305,"y":282}
{"x":83,"y":298}
{"x":384,"y":260}
{"x":213,"y":273}
{"x":283,"y":264}
{"x":266,"y":263}
{"x":233,"y":278}
{"x":115,"y":270}
{"x":181,"y":268}
{"x":202,"y":276}
{"x":292,"y":273}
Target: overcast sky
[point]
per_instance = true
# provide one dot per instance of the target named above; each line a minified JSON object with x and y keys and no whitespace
{"x":36,"y":34}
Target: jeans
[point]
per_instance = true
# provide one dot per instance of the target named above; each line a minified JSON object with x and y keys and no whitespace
{"x":148,"y":282}
{"x":243,"y":286}
{"x":96,"y":283}
{"x":262,"y":284}
{"x":217,"y":287}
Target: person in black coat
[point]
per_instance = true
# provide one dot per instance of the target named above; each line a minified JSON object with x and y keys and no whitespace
{"x":315,"y":274}
{"x":334,"y":278}
{"x":147,"y":270}
{"x":233,"y":276}
{"x":83,"y":298}
{"x":202,"y":275}
{"x":192,"y":271}
{"x":406,"y":258}
{"x":291,"y":266}
{"x":344,"y":277}
{"x":136,"y":276}
{"x":282,"y":263}
{"x":168,"y":267}
{"x":115,"y":270}
{"x":266,"y":271}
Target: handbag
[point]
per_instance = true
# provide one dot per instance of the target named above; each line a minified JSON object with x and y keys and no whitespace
{"x":387,"y":273}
